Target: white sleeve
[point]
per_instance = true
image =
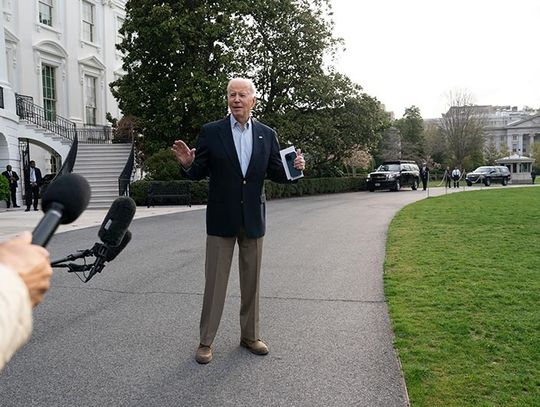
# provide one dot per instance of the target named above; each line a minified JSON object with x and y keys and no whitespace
{"x":15,"y":314}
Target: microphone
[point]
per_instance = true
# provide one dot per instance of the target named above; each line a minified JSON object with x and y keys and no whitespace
{"x":117,"y":221}
{"x":113,"y":233}
{"x":115,"y":250}
{"x":63,"y":202}
{"x":107,"y":253}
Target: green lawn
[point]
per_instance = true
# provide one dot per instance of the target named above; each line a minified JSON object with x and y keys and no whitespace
{"x":462,"y":279}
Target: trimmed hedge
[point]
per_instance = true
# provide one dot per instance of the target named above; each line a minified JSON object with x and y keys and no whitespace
{"x":305,"y":186}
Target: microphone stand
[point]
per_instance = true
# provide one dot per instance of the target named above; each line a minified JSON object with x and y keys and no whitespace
{"x":71,"y":257}
{"x":99,"y":264}
{"x":99,"y":251}
{"x":74,"y":267}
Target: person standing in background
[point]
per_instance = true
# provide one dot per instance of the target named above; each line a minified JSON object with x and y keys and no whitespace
{"x":447,"y":177}
{"x":424,"y":175}
{"x":456,"y":175}
{"x":32,"y":192}
{"x":13,"y":178}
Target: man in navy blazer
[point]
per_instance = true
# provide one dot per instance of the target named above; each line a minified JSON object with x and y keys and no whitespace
{"x":236,"y":154}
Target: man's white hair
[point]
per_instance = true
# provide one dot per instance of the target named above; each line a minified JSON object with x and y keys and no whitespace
{"x":249,"y":82}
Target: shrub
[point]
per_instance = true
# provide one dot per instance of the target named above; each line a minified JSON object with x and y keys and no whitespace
{"x":138,"y":190}
{"x":163,"y":166}
{"x":4,"y":188}
{"x":199,"y":191}
{"x":305,"y":186}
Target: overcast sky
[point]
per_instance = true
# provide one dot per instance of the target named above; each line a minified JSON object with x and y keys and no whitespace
{"x":414,"y":52}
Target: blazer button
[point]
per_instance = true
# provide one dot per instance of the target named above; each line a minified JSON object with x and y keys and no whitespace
{"x":241,"y":202}
{"x":245,"y":182}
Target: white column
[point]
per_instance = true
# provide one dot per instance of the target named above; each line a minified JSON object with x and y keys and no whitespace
{"x":9,"y":95}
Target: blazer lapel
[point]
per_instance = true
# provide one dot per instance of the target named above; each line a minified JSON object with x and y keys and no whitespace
{"x":228,"y":143}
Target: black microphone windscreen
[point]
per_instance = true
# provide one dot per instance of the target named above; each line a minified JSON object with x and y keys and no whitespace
{"x":117,"y":221}
{"x":115,"y":250}
{"x":72,"y":191}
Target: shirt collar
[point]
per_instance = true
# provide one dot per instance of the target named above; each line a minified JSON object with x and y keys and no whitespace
{"x":234,"y":122}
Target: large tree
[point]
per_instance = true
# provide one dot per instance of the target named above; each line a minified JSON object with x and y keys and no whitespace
{"x":285,"y":44}
{"x":310,"y":105}
{"x":332,"y":119}
{"x":180,"y":55}
{"x":435,"y":143}
{"x":411,"y":129}
{"x":462,"y":127}
{"x":388,"y":147}
{"x":177,"y":58}
{"x":491,"y":153}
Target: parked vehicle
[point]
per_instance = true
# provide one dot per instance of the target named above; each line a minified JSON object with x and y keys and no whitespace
{"x":488,"y":174}
{"x":393,"y":175}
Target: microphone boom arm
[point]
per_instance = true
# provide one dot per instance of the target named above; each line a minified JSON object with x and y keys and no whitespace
{"x":75,"y":256}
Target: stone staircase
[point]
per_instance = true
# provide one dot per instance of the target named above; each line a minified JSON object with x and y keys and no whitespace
{"x":58,"y":143}
{"x":101,"y":165}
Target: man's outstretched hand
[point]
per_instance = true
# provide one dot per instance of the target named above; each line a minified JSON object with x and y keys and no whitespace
{"x":183,"y":153}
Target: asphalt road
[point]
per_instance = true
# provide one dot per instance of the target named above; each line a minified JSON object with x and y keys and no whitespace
{"x":128,"y":337}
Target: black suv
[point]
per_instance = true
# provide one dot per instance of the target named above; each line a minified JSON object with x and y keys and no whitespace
{"x":393,"y":175}
{"x":489,"y":174}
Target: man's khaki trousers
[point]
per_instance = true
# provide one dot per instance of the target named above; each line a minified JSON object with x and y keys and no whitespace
{"x":219,"y":253}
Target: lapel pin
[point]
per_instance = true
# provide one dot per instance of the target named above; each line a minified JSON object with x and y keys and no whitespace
{"x":260,"y":136}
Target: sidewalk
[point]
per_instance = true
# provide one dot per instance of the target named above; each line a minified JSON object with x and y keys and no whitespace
{"x":15,"y":220}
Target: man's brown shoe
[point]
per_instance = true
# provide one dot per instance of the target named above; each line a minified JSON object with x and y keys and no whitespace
{"x":204,"y":354}
{"x":257,"y":347}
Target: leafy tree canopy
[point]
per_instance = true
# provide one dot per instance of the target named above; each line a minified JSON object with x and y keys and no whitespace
{"x":177,"y":60}
{"x":180,"y":55}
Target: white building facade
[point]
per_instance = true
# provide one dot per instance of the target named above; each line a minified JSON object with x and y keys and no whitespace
{"x":511,"y":130}
{"x":508,"y":129}
{"x":60,"y":56}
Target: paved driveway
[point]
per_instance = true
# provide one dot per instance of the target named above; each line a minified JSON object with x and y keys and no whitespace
{"x":128,"y":337}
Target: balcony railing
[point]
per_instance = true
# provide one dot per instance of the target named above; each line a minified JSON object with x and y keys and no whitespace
{"x":94,"y":134}
{"x":28,"y":110}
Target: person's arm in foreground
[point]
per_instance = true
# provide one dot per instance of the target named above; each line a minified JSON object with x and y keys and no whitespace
{"x":25,"y":274}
